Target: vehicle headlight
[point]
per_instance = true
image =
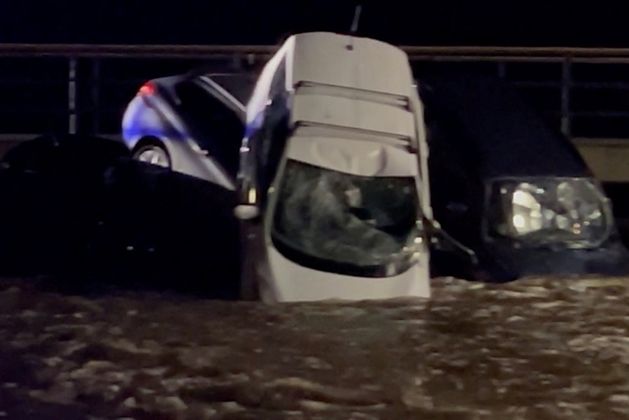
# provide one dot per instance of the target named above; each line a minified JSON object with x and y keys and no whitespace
{"x":539,"y":211}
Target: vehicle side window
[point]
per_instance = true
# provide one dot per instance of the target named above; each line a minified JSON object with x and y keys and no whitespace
{"x":216,"y":127}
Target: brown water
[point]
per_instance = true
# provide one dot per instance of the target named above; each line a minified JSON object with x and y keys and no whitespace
{"x":535,"y":349}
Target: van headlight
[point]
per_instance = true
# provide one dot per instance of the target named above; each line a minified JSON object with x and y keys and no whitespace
{"x":544,"y":211}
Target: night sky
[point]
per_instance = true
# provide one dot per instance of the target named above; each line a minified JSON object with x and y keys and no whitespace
{"x":256,"y":22}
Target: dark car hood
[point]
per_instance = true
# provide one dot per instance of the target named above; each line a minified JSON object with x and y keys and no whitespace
{"x":480,"y":129}
{"x":505,"y":136}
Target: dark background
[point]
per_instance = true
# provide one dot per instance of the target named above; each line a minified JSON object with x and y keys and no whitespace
{"x":257,"y":22}
{"x":34,"y":90}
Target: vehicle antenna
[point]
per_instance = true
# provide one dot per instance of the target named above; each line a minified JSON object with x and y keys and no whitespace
{"x":354,"y":28}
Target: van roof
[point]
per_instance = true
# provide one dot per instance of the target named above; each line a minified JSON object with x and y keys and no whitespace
{"x":349,"y":62}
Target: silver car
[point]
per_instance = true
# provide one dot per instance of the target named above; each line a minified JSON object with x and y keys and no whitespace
{"x":191,"y":123}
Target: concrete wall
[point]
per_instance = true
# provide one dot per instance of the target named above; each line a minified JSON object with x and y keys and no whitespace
{"x":608,"y":158}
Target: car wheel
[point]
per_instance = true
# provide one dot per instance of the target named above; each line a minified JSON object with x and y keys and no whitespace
{"x":153,"y":154}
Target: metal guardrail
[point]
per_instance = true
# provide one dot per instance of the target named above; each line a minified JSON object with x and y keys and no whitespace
{"x":539,"y":54}
{"x":85,"y":80}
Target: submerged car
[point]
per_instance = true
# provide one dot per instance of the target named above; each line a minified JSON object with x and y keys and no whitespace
{"x":191,"y":123}
{"x":333,"y":184}
{"x":511,"y":189}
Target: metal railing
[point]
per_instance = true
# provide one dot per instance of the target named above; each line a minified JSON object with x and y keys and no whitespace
{"x":84,"y":88}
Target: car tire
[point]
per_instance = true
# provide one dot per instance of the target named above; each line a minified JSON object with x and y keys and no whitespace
{"x":153,"y":153}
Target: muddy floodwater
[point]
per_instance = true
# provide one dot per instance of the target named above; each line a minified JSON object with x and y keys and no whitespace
{"x":534,"y":349}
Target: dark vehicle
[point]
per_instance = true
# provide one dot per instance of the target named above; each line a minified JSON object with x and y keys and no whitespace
{"x":79,"y":211}
{"x":510,"y":188}
{"x":191,"y":123}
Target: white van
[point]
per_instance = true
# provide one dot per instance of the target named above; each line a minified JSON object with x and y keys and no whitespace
{"x":333,"y":177}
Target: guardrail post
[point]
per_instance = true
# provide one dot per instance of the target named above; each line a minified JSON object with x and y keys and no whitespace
{"x":502,"y":70}
{"x":566,"y":84}
{"x":95,"y":93}
{"x":236,"y":63}
{"x":72,"y":113}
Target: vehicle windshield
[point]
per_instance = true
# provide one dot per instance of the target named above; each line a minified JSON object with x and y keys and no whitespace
{"x":348,"y":224}
{"x":570,"y":212}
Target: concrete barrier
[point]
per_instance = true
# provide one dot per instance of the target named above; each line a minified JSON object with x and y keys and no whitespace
{"x":608,"y":158}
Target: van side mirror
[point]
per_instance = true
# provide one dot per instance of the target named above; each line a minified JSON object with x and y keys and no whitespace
{"x":246,"y":212}
{"x":443,"y":241}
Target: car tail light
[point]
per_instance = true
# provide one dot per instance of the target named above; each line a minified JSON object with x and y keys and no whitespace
{"x":147,"y":89}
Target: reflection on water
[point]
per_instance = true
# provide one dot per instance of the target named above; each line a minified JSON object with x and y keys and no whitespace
{"x":535,"y":349}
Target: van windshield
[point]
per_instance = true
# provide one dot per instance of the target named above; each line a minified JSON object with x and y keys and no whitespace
{"x":348,"y":224}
